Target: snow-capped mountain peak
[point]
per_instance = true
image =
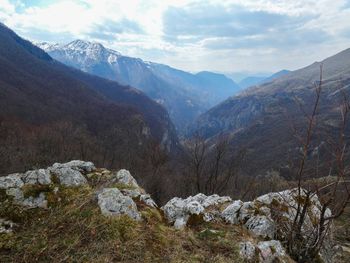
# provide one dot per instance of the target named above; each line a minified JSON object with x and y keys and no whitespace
{"x":46,"y":46}
{"x":84,"y":51}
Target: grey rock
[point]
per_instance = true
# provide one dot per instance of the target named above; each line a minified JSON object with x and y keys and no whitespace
{"x":174,"y":209}
{"x":179,"y":210}
{"x":231,"y":213}
{"x":40,"y":176}
{"x":15,"y":193}
{"x":137,"y":193}
{"x":146,"y":198}
{"x":181,"y":222}
{"x":69,"y":177}
{"x":269,"y":251}
{"x":30,"y":202}
{"x":264,"y":252}
{"x":194,"y":208}
{"x":33,"y":202}
{"x":11,"y":181}
{"x":261,"y":226}
{"x":214,"y":200}
{"x":81,"y":166}
{"x":123,"y":176}
{"x":247,"y":250}
{"x":113,"y":203}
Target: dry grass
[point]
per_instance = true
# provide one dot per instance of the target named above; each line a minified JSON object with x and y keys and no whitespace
{"x":73,"y":230}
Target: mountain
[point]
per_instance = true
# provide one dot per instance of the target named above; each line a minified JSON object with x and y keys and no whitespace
{"x":250,"y":81}
{"x":258,"y":80}
{"x":275,"y":76}
{"x":260,"y":119}
{"x":48,"y":104}
{"x":183,"y":94}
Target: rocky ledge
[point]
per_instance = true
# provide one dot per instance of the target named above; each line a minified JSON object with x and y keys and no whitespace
{"x":266,"y":220}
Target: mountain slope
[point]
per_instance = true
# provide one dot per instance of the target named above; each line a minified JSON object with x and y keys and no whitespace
{"x":39,"y":93}
{"x":184,"y":95}
{"x":258,"y":80}
{"x":260,"y":119}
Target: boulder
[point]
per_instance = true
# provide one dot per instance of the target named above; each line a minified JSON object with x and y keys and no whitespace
{"x":261,"y":226}
{"x":247,"y":250}
{"x":124,"y":177}
{"x":271,"y":215}
{"x":271,"y":251}
{"x":177,"y":211}
{"x":81,"y":166}
{"x":40,"y":176}
{"x":147,"y":200}
{"x":30,"y":202}
{"x":263,"y":252}
{"x":68,"y":176}
{"x":231,"y":213}
{"x":11,"y":181}
{"x":113,"y":203}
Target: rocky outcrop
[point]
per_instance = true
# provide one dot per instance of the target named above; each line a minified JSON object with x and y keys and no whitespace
{"x":262,"y":215}
{"x":20,"y":187}
{"x":113,"y":203}
{"x":11,"y":181}
{"x":178,"y":211}
{"x":68,"y":176}
{"x":40,"y":176}
{"x":271,"y":216}
{"x":265,"y":221}
{"x":264,"y":252}
{"x":124,"y":177}
{"x":117,"y":194}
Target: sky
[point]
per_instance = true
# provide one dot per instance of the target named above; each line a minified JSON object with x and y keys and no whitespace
{"x":223,"y":36}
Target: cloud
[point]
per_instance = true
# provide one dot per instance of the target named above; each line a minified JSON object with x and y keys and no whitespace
{"x":219,"y":35}
{"x":211,"y":21}
{"x":109,"y":29}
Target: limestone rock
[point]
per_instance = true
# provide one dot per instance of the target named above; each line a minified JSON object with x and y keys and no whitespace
{"x":113,"y":203}
{"x":247,"y":250}
{"x":123,"y":176}
{"x":270,"y":251}
{"x":194,"y":208}
{"x":181,"y":222}
{"x":11,"y":181}
{"x":231,"y":213}
{"x":81,"y":166}
{"x":30,"y":202}
{"x":137,"y":193}
{"x":40,"y":176}
{"x":261,"y":226}
{"x":68,"y":176}
{"x":146,"y":198}
{"x":264,"y":252}
{"x":179,"y":210}
{"x":174,"y":209}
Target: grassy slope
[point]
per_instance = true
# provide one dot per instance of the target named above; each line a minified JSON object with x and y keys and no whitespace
{"x":73,"y":230}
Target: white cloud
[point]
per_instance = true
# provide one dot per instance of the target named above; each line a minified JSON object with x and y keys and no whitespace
{"x":104,"y":20}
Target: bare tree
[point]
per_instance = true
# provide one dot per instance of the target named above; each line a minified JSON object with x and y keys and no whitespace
{"x":334,"y":196}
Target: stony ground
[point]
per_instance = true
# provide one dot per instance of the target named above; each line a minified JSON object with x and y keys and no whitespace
{"x":74,"y":212}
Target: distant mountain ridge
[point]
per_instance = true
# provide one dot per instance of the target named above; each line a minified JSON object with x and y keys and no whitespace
{"x":259,"y":119}
{"x":183,"y":94}
{"x":38,"y":93}
{"x":258,"y":80}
